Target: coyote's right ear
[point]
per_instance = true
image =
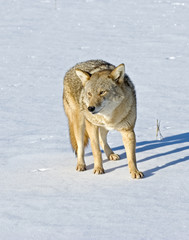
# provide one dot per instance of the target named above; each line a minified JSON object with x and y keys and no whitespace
{"x":84,"y":76}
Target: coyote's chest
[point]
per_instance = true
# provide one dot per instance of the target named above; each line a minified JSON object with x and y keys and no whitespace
{"x":101,"y":121}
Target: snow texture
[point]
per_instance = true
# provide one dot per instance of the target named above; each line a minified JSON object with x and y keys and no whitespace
{"x":41,"y":195}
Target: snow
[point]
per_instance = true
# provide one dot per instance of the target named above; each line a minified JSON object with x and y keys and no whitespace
{"x":42,"y":196}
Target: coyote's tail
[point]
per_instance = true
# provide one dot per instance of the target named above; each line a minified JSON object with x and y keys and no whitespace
{"x":73,"y":138}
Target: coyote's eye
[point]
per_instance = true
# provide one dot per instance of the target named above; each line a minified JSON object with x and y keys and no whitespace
{"x":89,"y":94}
{"x":102,"y":93}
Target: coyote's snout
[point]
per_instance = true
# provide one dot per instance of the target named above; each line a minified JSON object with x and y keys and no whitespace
{"x":91,"y":108}
{"x":98,"y":97}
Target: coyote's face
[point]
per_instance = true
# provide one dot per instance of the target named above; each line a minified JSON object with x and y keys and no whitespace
{"x":102,"y":90}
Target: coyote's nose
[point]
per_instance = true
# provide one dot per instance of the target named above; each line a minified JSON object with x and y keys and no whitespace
{"x":91,"y":108}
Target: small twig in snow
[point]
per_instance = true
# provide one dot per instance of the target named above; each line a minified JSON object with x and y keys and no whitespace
{"x":158,"y":132}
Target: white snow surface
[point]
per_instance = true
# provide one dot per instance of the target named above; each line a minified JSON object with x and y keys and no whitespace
{"x":41,"y":194}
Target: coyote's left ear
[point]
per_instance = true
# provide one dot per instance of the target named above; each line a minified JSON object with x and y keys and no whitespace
{"x":118,"y":73}
{"x":84,"y":76}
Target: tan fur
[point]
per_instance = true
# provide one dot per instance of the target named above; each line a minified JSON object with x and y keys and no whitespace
{"x":98,"y":97}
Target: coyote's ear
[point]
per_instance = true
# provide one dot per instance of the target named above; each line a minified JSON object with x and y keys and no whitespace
{"x":84,"y":76}
{"x":118,"y":73}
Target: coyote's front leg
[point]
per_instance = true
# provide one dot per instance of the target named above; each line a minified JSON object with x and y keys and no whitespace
{"x":92,"y":131}
{"x":129,"y":142}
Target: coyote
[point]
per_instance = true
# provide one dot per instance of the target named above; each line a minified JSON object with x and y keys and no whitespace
{"x":99,"y":97}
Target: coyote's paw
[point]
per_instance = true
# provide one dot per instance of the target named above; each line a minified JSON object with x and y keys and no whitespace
{"x":137,"y":174}
{"x":98,"y":170}
{"x":81,"y":167}
{"x":114,"y":157}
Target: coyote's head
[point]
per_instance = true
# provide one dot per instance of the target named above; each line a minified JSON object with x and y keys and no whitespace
{"x":103,"y":90}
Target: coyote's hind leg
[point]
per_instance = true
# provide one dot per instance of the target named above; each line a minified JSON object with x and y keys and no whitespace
{"x":103,"y":142}
{"x":79,"y":128}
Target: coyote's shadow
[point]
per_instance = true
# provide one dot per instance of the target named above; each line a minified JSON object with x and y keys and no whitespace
{"x":150,"y":145}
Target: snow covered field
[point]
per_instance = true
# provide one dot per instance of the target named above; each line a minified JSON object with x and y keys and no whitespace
{"x":41,"y":195}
